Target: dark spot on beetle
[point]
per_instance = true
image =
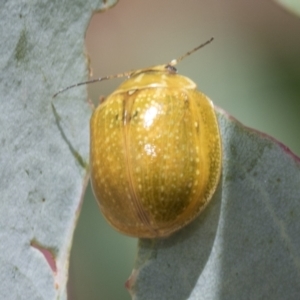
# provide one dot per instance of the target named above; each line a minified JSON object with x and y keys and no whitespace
{"x":135,"y":114}
{"x":43,"y":199}
{"x":278,"y":180}
{"x":186,"y":103}
{"x":20,"y":16}
{"x":116,"y":117}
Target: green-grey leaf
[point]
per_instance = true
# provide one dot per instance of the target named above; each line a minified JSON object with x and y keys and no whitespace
{"x":246,"y":243}
{"x":44,"y":150}
{"x":292,"y":6}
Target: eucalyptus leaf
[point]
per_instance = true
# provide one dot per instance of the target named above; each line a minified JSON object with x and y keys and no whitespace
{"x":245,"y":245}
{"x":44,"y":143}
{"x":292,"y":6}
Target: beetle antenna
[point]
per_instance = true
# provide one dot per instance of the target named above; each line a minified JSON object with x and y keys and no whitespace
{"x":179,"y":59}
{"x":126,"y":74}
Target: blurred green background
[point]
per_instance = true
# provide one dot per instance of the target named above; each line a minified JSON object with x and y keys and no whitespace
{"x":251,"y":70}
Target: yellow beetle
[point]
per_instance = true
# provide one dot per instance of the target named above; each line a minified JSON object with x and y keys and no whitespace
{"x":155,"y":152}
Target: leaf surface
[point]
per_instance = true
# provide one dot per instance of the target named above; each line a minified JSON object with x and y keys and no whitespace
{"x":292,"y":6}
{"x":245,"y":245}
{"x":44,"y":150}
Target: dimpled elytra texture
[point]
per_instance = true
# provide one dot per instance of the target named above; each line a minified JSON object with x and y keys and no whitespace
{"x":155,"y":154}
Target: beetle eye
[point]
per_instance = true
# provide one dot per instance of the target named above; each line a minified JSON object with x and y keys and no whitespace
{"x":171,"y":69}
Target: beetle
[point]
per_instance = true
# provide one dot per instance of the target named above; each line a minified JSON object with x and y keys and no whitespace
{"x":155,"y":151}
